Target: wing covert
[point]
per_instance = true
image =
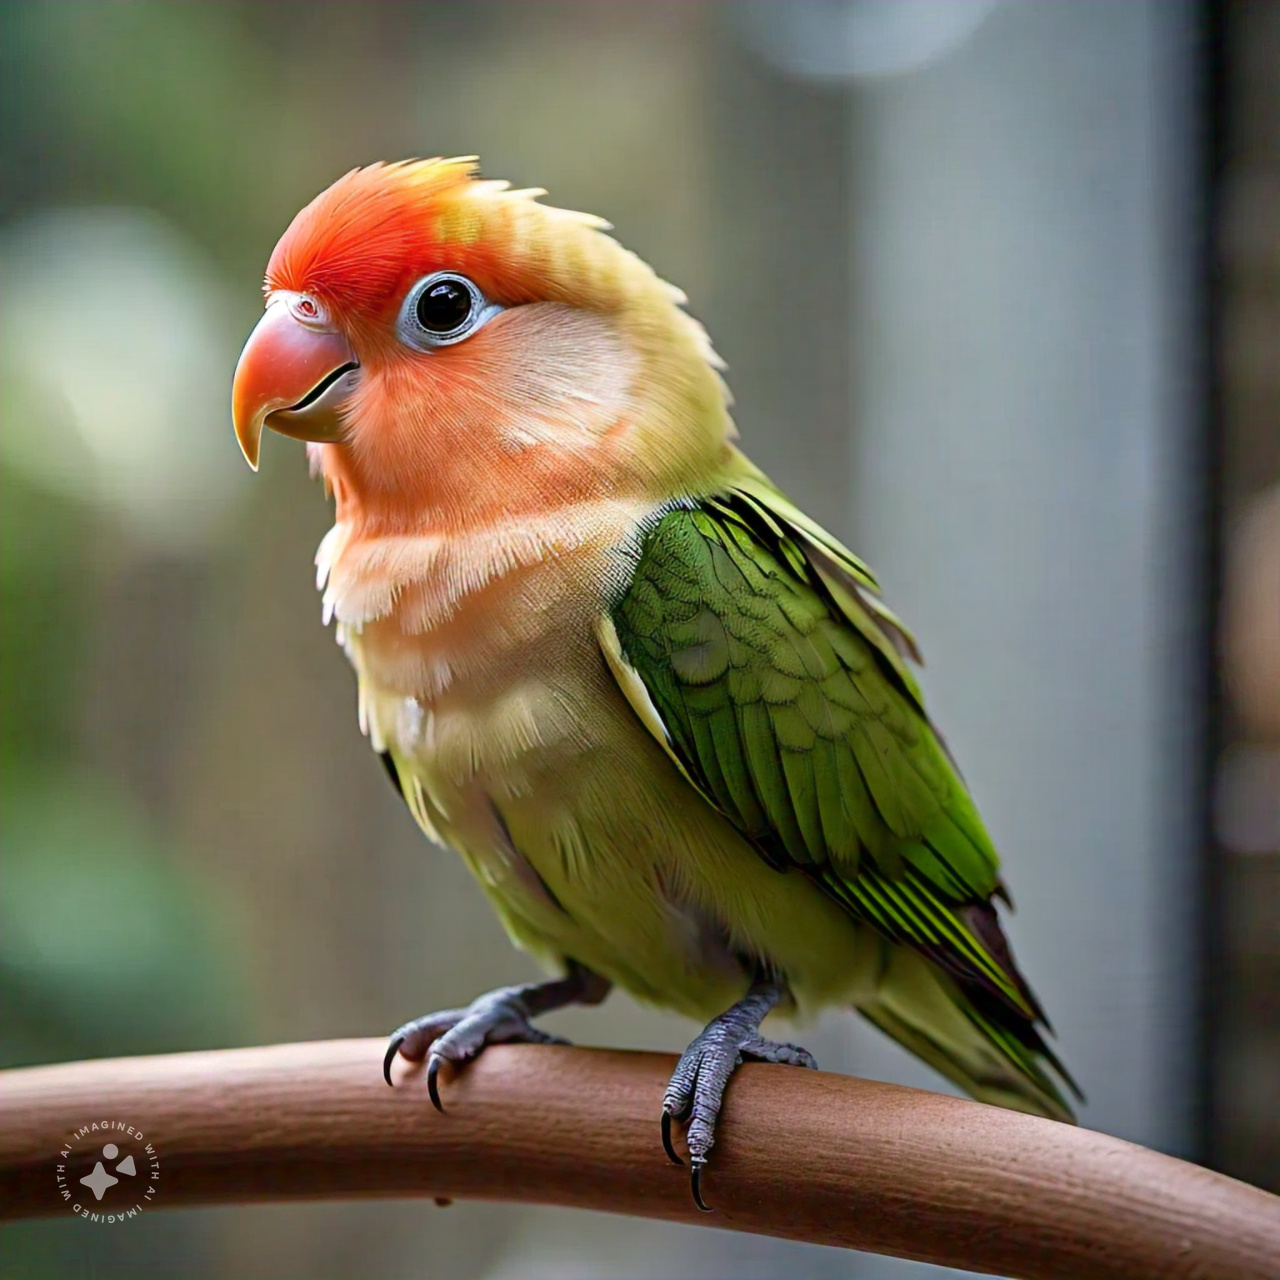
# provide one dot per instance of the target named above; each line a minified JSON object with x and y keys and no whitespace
{"x":755,"y":651}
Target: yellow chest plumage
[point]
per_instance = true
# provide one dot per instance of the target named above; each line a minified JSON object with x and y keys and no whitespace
{"x":481,"y":674}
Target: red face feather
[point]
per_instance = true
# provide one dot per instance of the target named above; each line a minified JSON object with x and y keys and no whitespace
{"x":361,"y":243}
{"x":602,"y":387}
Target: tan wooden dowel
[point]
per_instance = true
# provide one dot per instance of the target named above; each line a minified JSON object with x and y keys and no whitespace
{"x":801,"y":1154}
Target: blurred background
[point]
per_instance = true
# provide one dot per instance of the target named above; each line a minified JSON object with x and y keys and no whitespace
{"x":999,"y":290}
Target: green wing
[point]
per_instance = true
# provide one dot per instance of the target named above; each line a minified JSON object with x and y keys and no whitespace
{"x":782,"y":692}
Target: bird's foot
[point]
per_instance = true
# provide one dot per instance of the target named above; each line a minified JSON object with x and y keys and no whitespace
{"x":458,"y":1035}
{"x":698,"y":1084}
{"x":497,"y":1017}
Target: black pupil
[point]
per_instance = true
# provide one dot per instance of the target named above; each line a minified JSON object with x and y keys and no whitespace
{"x":444,"y":306}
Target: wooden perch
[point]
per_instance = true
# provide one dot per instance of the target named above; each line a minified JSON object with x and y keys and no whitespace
{"x":801,"y":1154}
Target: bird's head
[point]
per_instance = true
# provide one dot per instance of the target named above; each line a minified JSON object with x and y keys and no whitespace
{"x":450,"y":346}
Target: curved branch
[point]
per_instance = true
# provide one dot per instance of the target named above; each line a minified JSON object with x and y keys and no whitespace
{"x":801,"y":1154}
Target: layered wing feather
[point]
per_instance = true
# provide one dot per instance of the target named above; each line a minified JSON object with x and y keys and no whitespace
{"x":778,"y":682}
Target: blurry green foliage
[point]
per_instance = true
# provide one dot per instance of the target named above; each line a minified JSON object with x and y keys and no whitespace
{"x":105,"y":946}
{"x":42,"y":621}
{"x":108,"y":944}
{"x":137,"y":103}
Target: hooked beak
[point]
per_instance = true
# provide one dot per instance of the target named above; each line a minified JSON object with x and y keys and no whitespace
{"x":290,"y":378}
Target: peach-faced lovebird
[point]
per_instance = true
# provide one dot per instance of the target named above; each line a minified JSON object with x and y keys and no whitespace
{"x":662,"y":715}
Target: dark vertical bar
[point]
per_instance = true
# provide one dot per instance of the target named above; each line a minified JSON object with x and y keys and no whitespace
{"x":1214,"y":20}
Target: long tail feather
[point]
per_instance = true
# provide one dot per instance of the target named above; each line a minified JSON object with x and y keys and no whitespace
{"x":927,"y":1012}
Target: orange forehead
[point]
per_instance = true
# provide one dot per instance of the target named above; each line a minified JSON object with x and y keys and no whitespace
{"x":361,"y":242}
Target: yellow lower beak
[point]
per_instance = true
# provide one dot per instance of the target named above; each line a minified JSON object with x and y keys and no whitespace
{"x":291,"y":378}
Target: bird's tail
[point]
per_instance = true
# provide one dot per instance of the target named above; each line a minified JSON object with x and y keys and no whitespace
{"x":993,"y":1054}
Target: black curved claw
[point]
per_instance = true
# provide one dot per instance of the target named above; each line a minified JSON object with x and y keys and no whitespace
{"x":666,"y":1137}
{"x":433,"y":1086}
{"x":392,"y":1049}
{"x":695,"y":1180}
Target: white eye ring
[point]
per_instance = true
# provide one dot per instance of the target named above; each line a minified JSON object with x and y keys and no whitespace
{"x":441,"y":309}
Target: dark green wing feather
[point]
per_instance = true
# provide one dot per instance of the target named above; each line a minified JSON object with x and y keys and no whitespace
{"x":783,"y":693}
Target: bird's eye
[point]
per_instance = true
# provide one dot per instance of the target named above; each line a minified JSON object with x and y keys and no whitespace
{"x":442,"y":309}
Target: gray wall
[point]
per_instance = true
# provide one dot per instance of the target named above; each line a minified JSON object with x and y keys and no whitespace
{"x":1025,"y":402}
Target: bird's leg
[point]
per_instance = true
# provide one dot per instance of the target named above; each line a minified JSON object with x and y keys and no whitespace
{"x":697,"y":1087}
{"x":497,"y":1017}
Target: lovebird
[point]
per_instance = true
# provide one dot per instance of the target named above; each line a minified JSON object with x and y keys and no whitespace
{"x":664,"y":717}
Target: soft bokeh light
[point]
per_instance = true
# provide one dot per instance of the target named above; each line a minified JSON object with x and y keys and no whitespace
{"x":115,"y":340}
{"x":846,"y":40}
